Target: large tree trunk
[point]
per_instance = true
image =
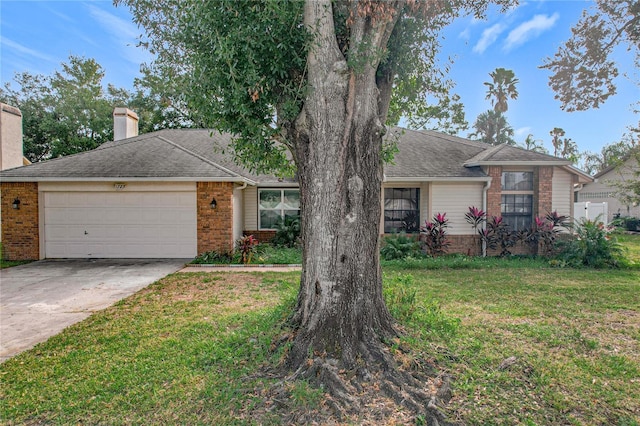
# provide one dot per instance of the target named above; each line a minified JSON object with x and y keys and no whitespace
{"x":341,"y":321}
{"x":341,"y":313}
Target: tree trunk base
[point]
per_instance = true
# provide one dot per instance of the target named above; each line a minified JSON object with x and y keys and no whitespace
{"x":401,"y":389}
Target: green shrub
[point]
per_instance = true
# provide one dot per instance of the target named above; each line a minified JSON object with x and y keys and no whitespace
{"x":215,"y":257}
{"x":287,"y":232}
{"x":247,"y":247}
{"x":434,"y":235}
{"x":593,"y":247}
{"x":400,"y":246}
{"x":632,"y":224}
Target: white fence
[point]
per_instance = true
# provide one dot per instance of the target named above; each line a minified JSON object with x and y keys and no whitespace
{"x":590,"y":211}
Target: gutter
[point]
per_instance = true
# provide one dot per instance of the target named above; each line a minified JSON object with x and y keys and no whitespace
{"x":387,"y":179}
{"x":237,"y":179}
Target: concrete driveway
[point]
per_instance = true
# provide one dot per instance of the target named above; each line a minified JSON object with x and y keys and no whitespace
{"x":40,"y":299}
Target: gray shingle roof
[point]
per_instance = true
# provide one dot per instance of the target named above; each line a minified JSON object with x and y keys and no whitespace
{"x":505,"y":154}
{"x":429,"y":154}
{"x":152,"y":155}
{"x":202,"y":154}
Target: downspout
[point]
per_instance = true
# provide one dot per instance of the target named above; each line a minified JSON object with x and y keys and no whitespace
{"x":485,"y":188}
{"x":241,"y":187}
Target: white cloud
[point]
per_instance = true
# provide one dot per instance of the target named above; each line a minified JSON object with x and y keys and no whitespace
{"x":489,"y":36}
{"x":530,"y":29}
{"x":118,"y":27}
{"x":23,"y":50}
{"x":122,"y":32}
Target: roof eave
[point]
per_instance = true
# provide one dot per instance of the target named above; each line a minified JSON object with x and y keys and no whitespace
{"x":234,"y":179}
{"x":582,"y":176}
{"x":436,"y":179}
{"x":517,"y":163}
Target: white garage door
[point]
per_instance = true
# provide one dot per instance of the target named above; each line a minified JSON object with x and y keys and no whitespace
{"x":120,"y":224}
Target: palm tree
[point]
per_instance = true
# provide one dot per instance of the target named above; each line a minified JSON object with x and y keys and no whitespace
{"x":556,"y":134}
{"x":502,"y":88}
{"x":492,"y":128}
{"x":564,"y":147}
{"x":531,"y":144}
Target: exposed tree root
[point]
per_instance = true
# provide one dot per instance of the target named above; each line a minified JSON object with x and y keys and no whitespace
{"x":406,"y":391}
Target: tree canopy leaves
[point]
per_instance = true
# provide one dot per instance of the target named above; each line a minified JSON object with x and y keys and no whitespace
{"x":242,"y":64}
{"x":66,"y":112}
{"x":584,"y":71}
{"x":502,"y":87}
{"x":70,"y":111}
{"x":492,"y":127}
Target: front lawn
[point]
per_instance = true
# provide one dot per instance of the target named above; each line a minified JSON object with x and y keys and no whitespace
{"x":524,"y":345}
{"x":631,"y":242}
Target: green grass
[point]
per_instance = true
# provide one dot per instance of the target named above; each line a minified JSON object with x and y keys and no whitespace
{"x":189,"y":348}
{"x":631,"y":242}
{"x":269,"y":255}
{"x":185,"y":350}
{"x":575,"y":334}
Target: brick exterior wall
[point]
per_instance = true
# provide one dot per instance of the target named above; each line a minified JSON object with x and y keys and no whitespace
{"x":494,"y":193}
{"x":215,"y":226}
{"x":465,"y":244}
{"x":458,"y":244}
{"x":262,"y":236}
{"x":543,"y":190}
{"x":20,"y":228}
{"x":518,"y":249}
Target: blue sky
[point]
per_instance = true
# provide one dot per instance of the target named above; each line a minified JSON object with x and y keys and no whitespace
{"x":37,"y":36}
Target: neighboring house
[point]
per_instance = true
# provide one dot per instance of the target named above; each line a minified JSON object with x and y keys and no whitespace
{"x":177,"y":193}
{"x":603,"y":189}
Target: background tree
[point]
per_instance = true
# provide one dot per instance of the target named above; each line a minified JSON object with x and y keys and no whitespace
{"x":434,"y":108}
{"x":564,"y":147}
{"x":160,"y":102}
{"x":491,"y":127}
{"x":447,"y":115}
{"x":82,"y":107}
{"x":315,"y":78}
{"x":532,"y":144}
{"x":502,"y":87}
{"x":39,"y":121}
{"x":556,"y":140}
{"x":628,"y":190}
{"x":610,"y":155}
{"x":66,"y":112}
{"x":71,"y":111}
{"x":583,"y":71}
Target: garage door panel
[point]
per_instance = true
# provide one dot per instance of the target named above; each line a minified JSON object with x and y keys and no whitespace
{"x":62,"y":232}
{"x":120,"y":224}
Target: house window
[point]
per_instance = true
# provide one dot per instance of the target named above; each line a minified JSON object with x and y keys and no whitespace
{"x":517,"y":181}
{"x":275,"y":205}
{"x":517,"y":199}
{"x":401,"y":210}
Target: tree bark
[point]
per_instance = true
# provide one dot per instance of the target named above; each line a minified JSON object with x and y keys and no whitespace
{"x":341,"y":322}
{"x":340,"y":313}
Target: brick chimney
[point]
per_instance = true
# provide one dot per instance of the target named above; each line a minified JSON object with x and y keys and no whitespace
{"x":125,"y":124}
{"x":10,"y":137}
